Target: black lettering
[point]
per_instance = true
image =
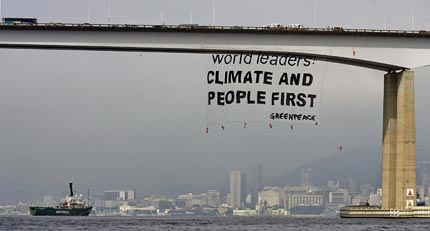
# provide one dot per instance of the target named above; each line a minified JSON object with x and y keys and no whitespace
{"x":248,"y":77}
{"x":274,"y":60}
{"x":234,"y":78}
{"x":217,"y":59}
{"x":290,"y":99}
{"x":312,"y":97}
{"x":298,"y":61}
{"x":258,"y":57}
{"x":267,"y":78}
{"x":209,"y":74}
{"x":220,"y":98}
{"x":275,"y":97}
{"x":301,"y":100}
{"x":263,"y":59}
{"x":295,"y":79}
{"x":292,"y":61}
{"x":257,"y":76}
{"x":307,"y":79}
{"x":211,"y":96}
{"x":217,"y":80}
{"x":240,"y":95}
{"x":283,"y":60}
{"x":234,"y":58}
{"x":283,"y":79}
{"x":283,"y":98}
{"x":249,"y":98}
{"x":229,"y":97}
{"x":247,"y":59}
{"x":227,"y":59}
{"x":261,"y":97}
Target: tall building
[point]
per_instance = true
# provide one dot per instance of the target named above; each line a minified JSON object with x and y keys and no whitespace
{"x":352,"y":187}
{"x":306,"y":177}
{"x":237,"y":189}
{"x":423,"y":173}
{"x":256,"y":182}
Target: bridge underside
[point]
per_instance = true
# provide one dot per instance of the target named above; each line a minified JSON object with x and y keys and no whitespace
{"x":327,"y":58}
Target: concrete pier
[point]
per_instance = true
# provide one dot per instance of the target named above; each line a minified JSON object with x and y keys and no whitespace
{"x":398,"y":142}
{"x":398,"y":153}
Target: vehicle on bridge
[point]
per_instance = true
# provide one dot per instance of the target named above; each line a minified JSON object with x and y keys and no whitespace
{"x":188,"y":25}
{"x":19,"y":21}
{"x":278,"y":26}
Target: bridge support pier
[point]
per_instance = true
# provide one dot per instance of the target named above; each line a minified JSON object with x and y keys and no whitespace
{"x":398,"y":142}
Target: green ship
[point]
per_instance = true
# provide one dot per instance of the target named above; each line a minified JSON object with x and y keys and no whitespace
{"x":72,"y":206}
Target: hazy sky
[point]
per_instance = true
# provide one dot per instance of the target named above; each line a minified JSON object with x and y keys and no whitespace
{"x":110,"y":120}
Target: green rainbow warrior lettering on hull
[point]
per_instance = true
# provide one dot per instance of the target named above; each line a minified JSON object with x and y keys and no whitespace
{"x":72,"y":206}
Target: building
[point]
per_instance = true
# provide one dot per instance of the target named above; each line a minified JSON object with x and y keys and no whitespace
{"x":193,"y":200}
{"x":303,"y":200}
{"x":352,"y":187}
{"x":131,"y":194}
{"x":119,"y":195}
{"x":331,"y":184}
{"x":237,"y":189}
{"x":376,"y":199}
{"x":272,"y":197}
{"x":423,"y":178}
{"x":213,"y":198}
{"x":423,"y":173}
{"x":305,"y":205}
{"x":256,"y":182}
{"x":338,"y":198}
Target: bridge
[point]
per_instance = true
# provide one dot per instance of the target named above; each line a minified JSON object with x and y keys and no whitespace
{"x":394,"y":52}
{"x":384,"y":50}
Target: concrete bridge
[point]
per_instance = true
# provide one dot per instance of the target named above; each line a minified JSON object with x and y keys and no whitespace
{"x":394,"y":52}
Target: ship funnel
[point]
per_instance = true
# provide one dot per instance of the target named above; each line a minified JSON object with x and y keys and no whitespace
{"x":71,"y":188}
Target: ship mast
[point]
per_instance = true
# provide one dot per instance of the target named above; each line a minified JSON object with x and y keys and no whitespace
{"x":71,"y":188}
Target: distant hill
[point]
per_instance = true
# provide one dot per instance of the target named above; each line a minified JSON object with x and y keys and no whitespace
{"x":363,"y":165}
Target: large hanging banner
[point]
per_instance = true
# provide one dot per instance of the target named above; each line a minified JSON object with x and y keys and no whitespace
{"x":263,"y":88}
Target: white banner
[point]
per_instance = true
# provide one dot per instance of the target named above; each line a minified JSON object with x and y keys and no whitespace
{"x":263,"y":88}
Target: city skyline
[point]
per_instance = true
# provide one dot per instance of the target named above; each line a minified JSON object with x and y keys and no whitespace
{"x":292,"y":200}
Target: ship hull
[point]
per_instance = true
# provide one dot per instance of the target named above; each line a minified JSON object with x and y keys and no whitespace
{"x":58,"y":211}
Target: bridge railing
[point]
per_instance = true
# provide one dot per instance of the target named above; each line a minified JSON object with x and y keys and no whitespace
{"x":210,"y":27}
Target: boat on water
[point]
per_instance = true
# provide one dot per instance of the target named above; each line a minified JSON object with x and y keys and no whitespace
{"x":73,"y":205}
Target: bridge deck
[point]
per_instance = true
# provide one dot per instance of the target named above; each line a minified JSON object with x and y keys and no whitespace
{"x":218,"y":29}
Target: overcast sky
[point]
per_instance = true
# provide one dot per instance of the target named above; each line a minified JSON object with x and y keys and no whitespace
{"x":110,"y":120}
